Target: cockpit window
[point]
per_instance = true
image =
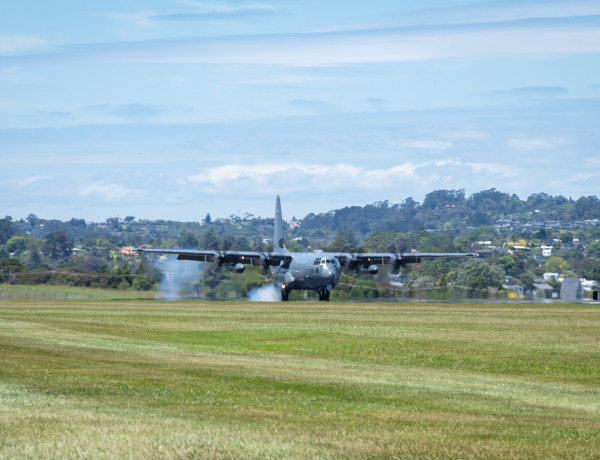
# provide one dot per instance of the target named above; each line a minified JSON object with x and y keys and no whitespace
{"x":328,"y":262}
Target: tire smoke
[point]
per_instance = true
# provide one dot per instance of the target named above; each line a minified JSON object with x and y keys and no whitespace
{"x":265,"y":294}
{"x":179,"y":278}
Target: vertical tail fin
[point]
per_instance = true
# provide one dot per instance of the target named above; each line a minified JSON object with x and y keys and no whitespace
{"x":278,"y":241}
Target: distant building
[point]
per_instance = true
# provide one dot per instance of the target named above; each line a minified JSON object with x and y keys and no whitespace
{"x":517,"y":249}
{"x":543,"y":290}
{"x":570,"y":289}
{"x":588,"y":285}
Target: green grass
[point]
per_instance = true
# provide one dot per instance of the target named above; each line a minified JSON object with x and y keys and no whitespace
{"x":46,"y":292}
{"x":139,"y":379}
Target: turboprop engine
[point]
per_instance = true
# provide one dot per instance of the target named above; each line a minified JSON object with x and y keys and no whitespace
{"x":371,"y":269}
{"x":237,"y":268}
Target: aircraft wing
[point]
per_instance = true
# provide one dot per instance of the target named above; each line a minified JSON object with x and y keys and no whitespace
{"x":353,"y":260}
{"x":224,"y":257}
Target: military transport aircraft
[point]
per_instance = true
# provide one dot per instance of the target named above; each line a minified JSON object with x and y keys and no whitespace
{"x":317,"y":271}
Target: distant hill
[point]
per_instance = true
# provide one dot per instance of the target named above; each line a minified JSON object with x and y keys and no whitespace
{"x":451,"y":210}
{"x":441,"y":210}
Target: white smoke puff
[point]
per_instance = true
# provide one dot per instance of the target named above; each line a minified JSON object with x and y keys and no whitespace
{"x":178,"y":275}
{"x":265,"y":294}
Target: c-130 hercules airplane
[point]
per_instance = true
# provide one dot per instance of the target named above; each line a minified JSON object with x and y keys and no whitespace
{"x":317,"y":271}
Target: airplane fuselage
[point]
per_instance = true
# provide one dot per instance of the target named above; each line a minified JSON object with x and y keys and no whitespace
{"x":318,"y":271}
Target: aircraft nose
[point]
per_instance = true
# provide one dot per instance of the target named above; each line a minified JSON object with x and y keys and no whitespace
{"x":330,"y":274}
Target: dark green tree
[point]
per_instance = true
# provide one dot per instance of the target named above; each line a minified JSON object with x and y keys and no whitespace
{"x":479,"y":274}
{"x":507,"y":262}
{"x":340,"y":243}
{"x":210,"y":240}
{"x":593,"y":249}
{"x":113,"y":222}
{"x":58,"y":245}
{"x":16,"y":245}
{"x":33,"y":220}
{"x":144,"y":278}
{"x":78,"y":223}
{"x":6,"y":230}
{"x":187,"y":241}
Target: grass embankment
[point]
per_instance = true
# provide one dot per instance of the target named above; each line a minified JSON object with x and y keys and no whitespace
{"x":186,"y":379}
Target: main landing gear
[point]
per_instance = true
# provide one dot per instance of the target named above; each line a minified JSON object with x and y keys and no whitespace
{"x":324,"y":295}
{"x":285,"y":293}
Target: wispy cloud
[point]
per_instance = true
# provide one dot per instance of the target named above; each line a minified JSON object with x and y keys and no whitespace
{"x":428,"y":145}
{"x":32,"y":180}
{"x":284,"y":81}
{"x":531,"y":144}
{"x":195,"y":12}
{"x":19,"y":44}
{"x":211,"y":12}
{"x":137,"y":112}
{"x":310,"y":106}
{"x":106,"y":191}
{"x":528,"y":37}
{"x":532,"y":92}
{"x":504,"y":10}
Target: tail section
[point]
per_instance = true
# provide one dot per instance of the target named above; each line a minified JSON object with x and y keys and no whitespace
{"x":278,"y":240}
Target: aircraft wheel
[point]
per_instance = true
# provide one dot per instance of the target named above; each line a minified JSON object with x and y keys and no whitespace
{"x":324,"y":295}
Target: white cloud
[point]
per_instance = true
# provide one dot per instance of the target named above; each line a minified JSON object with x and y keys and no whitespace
{"x":494,"y":169}
{"x":321,"y":181}
{"x":299,"y":173}
{"x":534,"y":144}
{"x":31,"y":180}
{"x":107,"y":191}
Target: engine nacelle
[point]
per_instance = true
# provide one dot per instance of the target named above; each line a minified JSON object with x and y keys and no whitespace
{"x":237,"y":268}
{"x":371,"y":269}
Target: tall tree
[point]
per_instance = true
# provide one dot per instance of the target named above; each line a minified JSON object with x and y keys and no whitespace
{"x":6,"y":230}
{"x":479,"y":274}
{"x":187,"y":241}
{"x":58,"y":245}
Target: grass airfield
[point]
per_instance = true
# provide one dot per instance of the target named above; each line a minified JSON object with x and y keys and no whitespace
{"x":152,"y":379}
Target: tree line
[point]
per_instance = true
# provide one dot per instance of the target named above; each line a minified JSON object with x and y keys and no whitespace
{"x":38,"y":251}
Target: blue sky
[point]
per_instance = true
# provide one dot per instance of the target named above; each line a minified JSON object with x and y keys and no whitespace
{"x":172,"y":109}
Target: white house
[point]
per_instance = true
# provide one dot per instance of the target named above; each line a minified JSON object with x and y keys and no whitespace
{"x":546,"y":250}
